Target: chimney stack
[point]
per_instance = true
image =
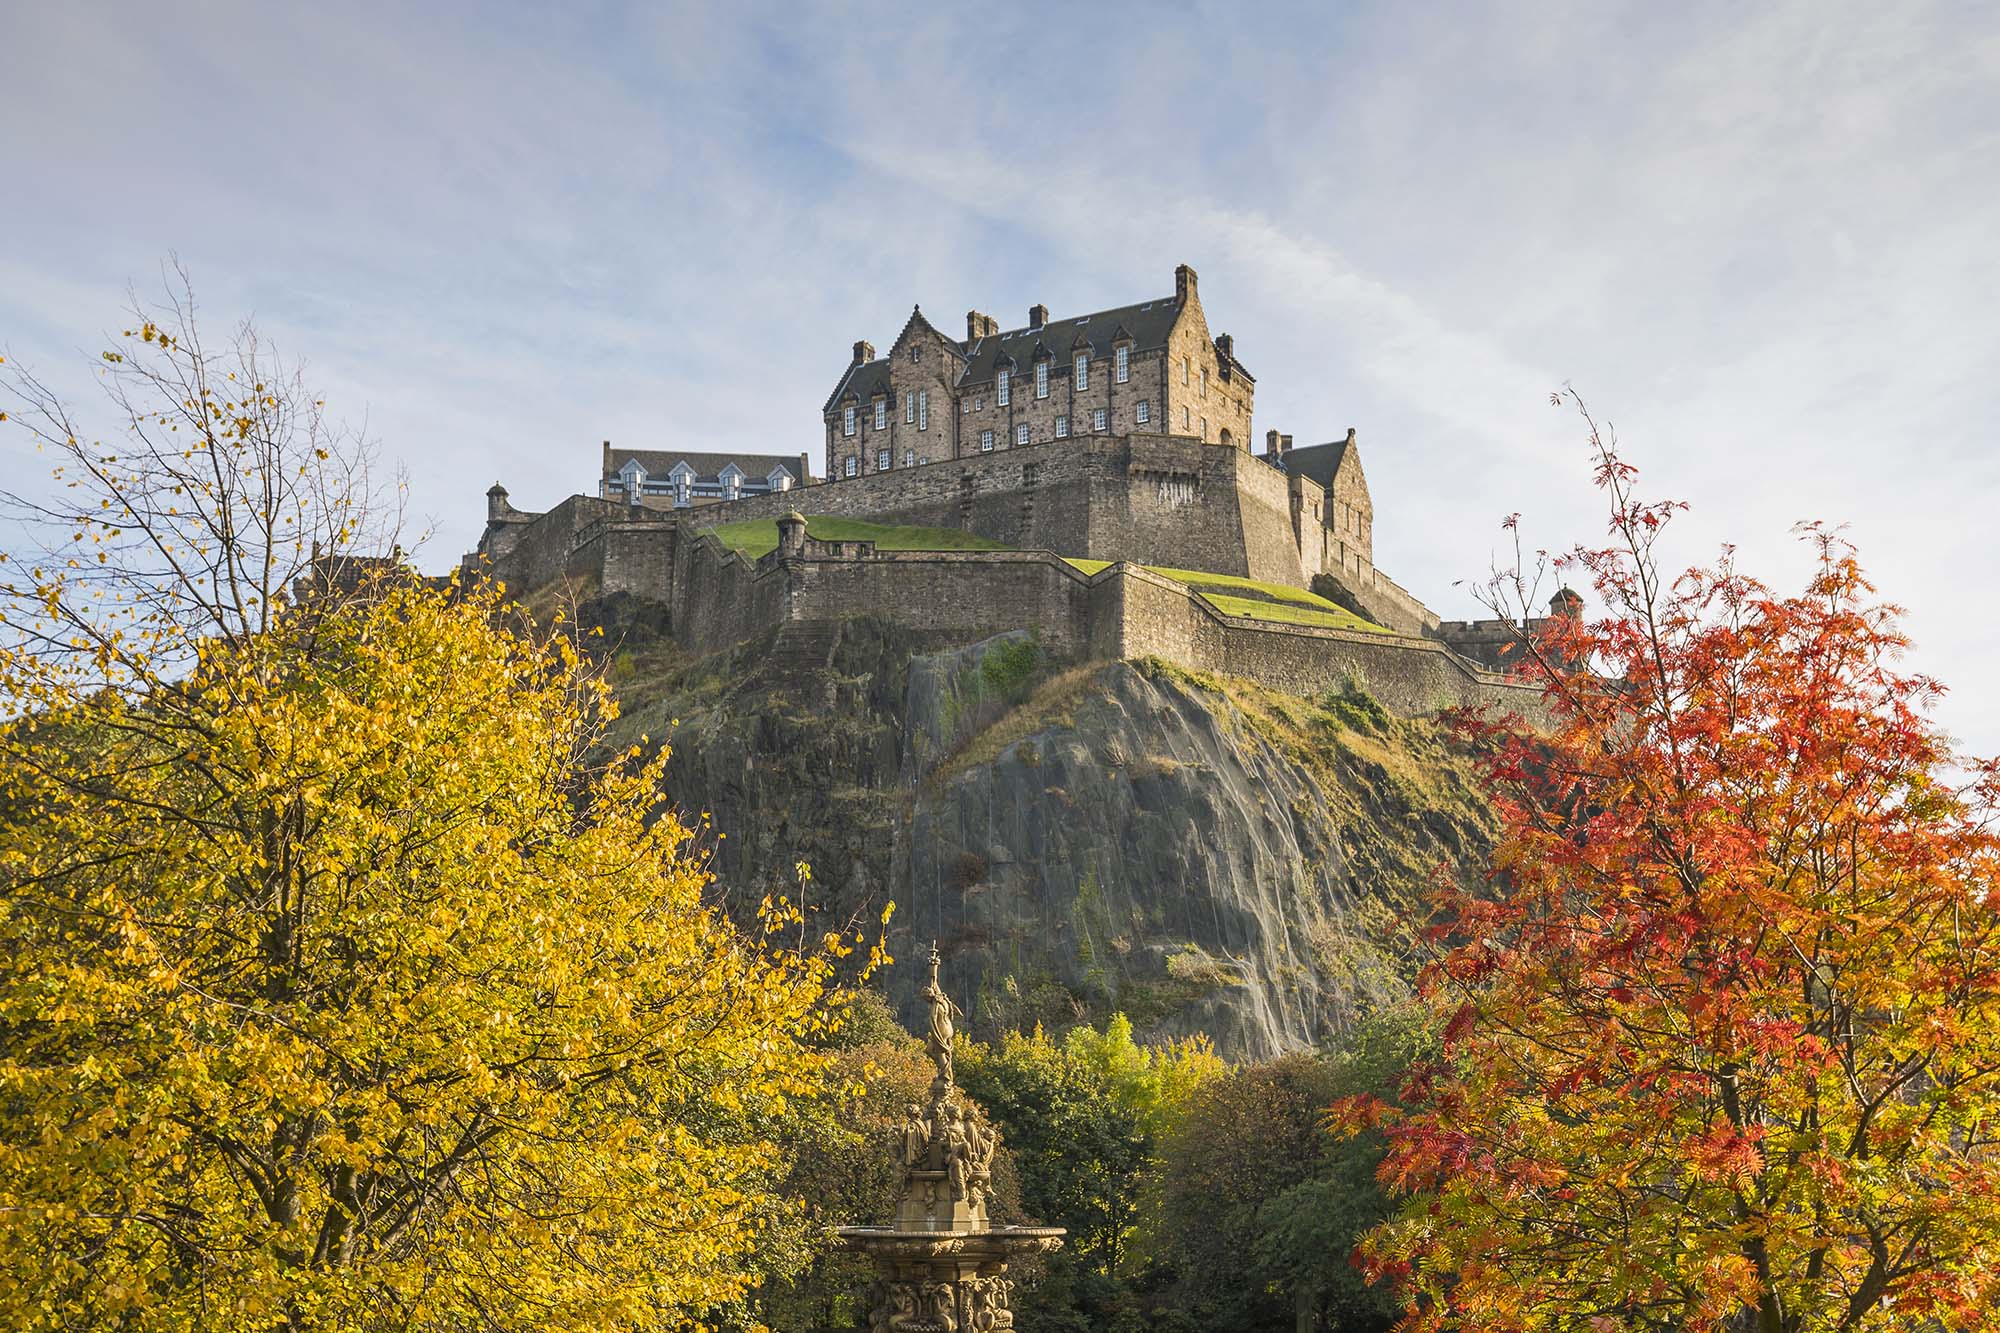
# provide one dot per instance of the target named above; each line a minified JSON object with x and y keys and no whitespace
{"x":979,"y":326}
{"x":1271,"y":441}
{"x":1225,"y":346}
{"x":1183,"y":283}
{"x":1284,"y":444}
{"x":1038,"y":315}
{"x":864,"y":352}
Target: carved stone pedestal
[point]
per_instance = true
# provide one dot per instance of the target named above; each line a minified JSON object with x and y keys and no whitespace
{"x":941,"y":1268}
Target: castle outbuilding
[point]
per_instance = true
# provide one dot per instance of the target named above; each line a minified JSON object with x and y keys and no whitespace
{"x":679,"y":479}
{"x":1147,"y":368}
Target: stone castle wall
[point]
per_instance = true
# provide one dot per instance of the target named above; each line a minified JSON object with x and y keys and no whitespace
{"x":952,"y":597}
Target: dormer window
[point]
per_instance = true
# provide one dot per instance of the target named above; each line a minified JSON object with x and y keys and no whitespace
{"x":847,"y":420}
{"x":881,"y":414}
{"x":1001,"y":394}
{"x":1122,"y":363}
{"x":1083,"y":370}
{"x":1041,"y":379}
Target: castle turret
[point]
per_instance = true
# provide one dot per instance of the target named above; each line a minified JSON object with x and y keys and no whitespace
{"x":1567,"y":603}
{"x":792,"y":536}
{"x":496,"y":501}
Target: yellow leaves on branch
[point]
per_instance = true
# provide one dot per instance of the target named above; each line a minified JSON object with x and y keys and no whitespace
{"x":348,"y":989}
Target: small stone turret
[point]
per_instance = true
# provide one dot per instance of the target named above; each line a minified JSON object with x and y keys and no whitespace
{"x":792,"y":536}
{"x":1567,"y":603}
{"x":496,"y":502}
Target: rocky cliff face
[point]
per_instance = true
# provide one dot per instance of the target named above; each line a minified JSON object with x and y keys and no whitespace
{"x":1199,"y":853}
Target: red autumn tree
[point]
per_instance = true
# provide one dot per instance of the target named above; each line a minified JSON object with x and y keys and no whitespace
{"x":1723,"y":1039}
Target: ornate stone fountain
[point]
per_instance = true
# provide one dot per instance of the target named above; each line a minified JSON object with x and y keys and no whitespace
{"x":941,"y":1268}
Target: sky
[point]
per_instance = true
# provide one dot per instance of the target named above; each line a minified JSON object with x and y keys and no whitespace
{"x":1762,"y":240}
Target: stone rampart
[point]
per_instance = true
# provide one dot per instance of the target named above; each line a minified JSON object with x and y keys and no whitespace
{"x":1123,"y":611}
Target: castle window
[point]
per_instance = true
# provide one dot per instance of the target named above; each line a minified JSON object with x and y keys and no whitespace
{"x":909,"y":408}
{"x":915,"y":356}
{"x":965,"y":407}
{"x":1041,"y":379}
{"x":1204,"y":381}
{"x":882,"y":460}
{"x":1020,"y":434}
{"x":1001,"y":396}
{"x":847,"y":421}
{"x":1184,"y":373}
{"x":1122,"y":360}
{"x":923,"y":409}
{"x":1184,"y":416}
{"x":1083,"y":370}
{"x":1098,"y":417}
{"x":881,"y":414}
{"x":1143,"y":413}
{"x":985,"y":441}
{"x":1062,"y":428}
{"x":909,"y":457}
{"x":1204,"y":428}
{"x":853,"y":465}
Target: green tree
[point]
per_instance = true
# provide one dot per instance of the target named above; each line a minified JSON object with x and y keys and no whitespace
{"x":1260,"y":1206}
{"x":1083,"y":1116}
{"x":343,"y":987}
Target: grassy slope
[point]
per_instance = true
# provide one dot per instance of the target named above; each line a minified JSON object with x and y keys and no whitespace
{"x":759,"y":536}
{"x":1278,"y":602}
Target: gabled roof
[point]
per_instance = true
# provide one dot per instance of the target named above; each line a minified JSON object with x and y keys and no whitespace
{"x":917,"y":323}
{"x":1146,"y":324}
{"x":861,"y":381}
{"x":1320,"y":462}
{"x":707,"y":467}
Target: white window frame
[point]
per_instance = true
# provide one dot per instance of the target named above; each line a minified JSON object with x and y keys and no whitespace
{"x":985,"y":441}
{"x":1041,"y":379}
{"x":1122,"y":361}
{"x":881,"y":414}
{"x":1020,"y":434}
{"x":1062,"y":428}
{"x":847,"y":420}
{"x":915,"y":354}
{"x":1100,"y":420}
{"x":923,"y":409}
{"x":909,"y":458}
{"x":883,"y":458}
{"x":853,"y":465}
{"x":909,"y":409}
{"x":1083,"y":370}
{"x":1144,"y":412}
{"x":1003,"y":393}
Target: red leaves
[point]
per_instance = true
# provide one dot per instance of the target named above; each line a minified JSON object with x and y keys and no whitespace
{"x":1732,"y":999}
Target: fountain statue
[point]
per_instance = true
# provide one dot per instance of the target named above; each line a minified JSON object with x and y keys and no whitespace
{"x":940,"y":1268}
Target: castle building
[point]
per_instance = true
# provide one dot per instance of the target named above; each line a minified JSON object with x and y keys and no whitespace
{"x":1146,"y":368}
{"x":678,"y":479}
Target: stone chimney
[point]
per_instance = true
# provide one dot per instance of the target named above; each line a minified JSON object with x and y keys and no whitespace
{"x":1284,"y":444}
{"x":1271,"y":441}
{"x":1225,"y":347}
{"x":979,"y":326}
{"x":1183,"y":283}
{"x":1038,"y":315}
{"x":864,"y":352}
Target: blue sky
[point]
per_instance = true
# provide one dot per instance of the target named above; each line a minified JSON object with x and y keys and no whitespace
{"x":1764,"y":240}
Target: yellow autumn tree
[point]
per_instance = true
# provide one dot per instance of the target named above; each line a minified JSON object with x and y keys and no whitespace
{"x":342,"y":986}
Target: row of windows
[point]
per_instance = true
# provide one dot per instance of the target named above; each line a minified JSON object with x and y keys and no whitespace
{"x":1100,"y":421}
{"x":916,"y":410}
{"x":1121,"y":371}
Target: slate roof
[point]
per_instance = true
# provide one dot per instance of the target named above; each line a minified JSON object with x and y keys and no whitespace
{"x":1146,"y":323}
{"x":863,"y":380}
{"x":1317,"y":461}
{"x":707,"y":466}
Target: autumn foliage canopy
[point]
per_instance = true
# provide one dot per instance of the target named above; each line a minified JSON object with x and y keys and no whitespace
{"x":1723,"y":1031}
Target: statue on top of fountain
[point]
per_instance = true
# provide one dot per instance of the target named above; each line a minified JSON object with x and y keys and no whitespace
{"x":948,"y":1142}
